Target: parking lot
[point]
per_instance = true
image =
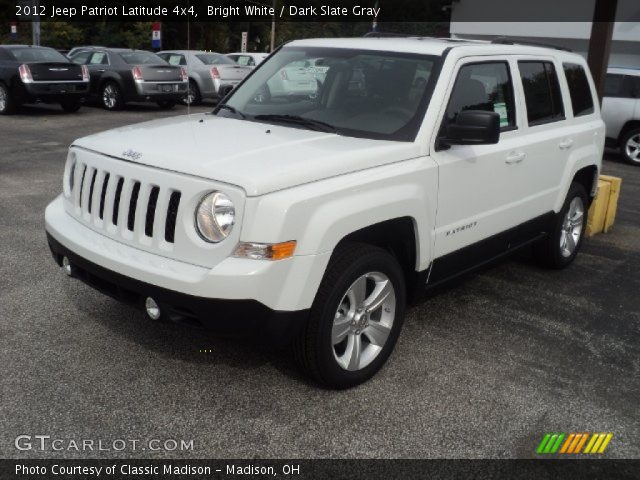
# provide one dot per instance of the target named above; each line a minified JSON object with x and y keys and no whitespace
{"x":483,"y":368}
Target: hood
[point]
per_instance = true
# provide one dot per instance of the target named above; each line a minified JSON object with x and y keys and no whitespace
{"x":258,"y":157}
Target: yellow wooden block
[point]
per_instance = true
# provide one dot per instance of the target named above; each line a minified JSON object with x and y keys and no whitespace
{"x":614,"y":195}
{"x":598,"y":209}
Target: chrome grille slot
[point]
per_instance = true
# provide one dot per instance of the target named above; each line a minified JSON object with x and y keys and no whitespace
{"x":91,"y":185}
{"x":172,"y":215}
{"x":151,"y":211}
{"x":116,"y":201}
{"x":133,"y":204}
{"x":103,"y":195}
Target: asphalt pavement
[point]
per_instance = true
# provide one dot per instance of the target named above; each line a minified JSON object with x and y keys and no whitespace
{"x":483,"y":368}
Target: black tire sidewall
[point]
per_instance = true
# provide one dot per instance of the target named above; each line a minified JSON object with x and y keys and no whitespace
{"x":374,"y":260}
{"x":558,"y":260}
{"x":623,"y":146}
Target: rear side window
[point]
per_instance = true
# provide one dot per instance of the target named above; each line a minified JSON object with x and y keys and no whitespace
{"x":541,"y":92}
{"x":621,"y":86}
{"x":483,"y":86}
{"x":214,"y":59}
{"x":99,"y":58}
{"x":174,"y":58}
{"x":579,"y":90}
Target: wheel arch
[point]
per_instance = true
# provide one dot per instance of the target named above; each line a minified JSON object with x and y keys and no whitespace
{"x":626,"y":128}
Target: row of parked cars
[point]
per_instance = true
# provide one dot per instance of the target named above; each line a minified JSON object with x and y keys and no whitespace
{"x":116,"y":76}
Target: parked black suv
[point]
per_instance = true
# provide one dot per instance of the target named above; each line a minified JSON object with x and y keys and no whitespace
{"x":31,"y":74}
{"x":121,"y":75}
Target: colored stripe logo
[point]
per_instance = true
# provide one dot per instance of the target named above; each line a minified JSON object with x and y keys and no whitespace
{"x":574,"y":443}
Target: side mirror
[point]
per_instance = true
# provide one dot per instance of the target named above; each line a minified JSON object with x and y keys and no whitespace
{"x":474,"y":127}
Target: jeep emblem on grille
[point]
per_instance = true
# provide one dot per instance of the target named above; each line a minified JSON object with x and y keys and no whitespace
{"x":132,"y":154}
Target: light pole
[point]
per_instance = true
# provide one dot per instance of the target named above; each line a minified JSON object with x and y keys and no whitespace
{"x":273,"y":28}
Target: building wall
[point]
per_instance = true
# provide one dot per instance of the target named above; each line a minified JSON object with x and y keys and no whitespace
{"x":625,"y":48}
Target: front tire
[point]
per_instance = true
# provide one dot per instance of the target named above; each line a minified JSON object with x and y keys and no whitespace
{"x":7,"y":104}
{"x":560,"y":248}
{"x":355,"y":319}
{"x":631,"y":147}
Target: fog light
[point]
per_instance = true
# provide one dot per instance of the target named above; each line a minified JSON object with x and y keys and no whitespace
{"x":152,"y":308}
{"x":66,"y":266}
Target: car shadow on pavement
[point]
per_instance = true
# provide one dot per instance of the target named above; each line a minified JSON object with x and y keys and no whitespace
{"x":178,"y":341}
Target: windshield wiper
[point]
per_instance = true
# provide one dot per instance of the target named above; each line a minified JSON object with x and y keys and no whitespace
{"x":297,"y":120}
{"x":231,"y":109}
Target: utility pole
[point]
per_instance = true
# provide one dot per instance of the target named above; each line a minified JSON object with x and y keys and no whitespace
{"x":273,"y":28}
{"x":604,"y":16}
{"x":35,"y":24}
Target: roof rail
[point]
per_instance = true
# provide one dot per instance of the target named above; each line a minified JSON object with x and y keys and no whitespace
{"x":511,"y":41}
{"x":388,"y":34}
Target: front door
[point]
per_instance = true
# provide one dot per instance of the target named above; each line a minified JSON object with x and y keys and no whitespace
{"x":478,"y":192}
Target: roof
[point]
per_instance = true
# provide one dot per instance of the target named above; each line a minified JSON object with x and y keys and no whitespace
{"x":195,"y":52}
{"x":427,"y":45}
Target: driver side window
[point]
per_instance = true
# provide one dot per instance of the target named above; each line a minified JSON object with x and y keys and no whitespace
{"x":483,"y":86}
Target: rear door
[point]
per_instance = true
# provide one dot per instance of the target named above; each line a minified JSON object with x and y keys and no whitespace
{"x":479,"y":190}
{"x":547,"y":141}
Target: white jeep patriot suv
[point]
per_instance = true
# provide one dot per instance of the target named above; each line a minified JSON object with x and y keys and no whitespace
{"x":315,"y":217}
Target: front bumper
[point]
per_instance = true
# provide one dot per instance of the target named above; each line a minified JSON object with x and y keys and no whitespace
{"x":161,"y":90}
{"x":55,"y":91}
{"x":231,"y":296}
{"x":244,"y":318}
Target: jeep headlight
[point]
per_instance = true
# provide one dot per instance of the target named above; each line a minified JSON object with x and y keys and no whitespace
{"x":215,"y":216}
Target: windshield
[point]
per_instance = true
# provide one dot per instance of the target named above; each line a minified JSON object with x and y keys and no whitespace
{"x":142,"y":58}
{"x":214,"y":59}
{"x":360,"y":93}
{"x":32,"y":54}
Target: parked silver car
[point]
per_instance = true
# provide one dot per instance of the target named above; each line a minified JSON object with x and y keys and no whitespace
{"x":210,"y":73}
{"x":621,"y":111}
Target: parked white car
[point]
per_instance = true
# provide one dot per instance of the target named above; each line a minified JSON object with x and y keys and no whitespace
{"x":248,"y":59}
{"x":621,"y":111}
{"x":334,"y":211}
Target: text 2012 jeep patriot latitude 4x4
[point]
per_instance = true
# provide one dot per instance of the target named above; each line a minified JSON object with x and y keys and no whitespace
{"x":314,"y":217}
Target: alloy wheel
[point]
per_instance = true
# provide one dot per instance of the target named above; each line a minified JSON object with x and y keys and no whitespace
{"x":632,"y":148}
{"x":109,"y":96}
{"x":363,"y":321}
{"x":3,"y":99}
{"x":572,"y":227}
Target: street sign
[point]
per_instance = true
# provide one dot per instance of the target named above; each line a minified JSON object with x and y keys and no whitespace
{"x":156,"y":36}
{"x":243,"y":45}
{"x":14,"y":30}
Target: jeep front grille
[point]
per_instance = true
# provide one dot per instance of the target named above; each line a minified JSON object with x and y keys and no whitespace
{"x":118,"y":203}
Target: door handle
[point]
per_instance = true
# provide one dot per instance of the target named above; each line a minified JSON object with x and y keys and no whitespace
{"x":515,"y":157}
{"x":566,"y":144}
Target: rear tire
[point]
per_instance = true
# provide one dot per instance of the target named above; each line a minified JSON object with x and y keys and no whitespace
{"x":630,"y":146}
{"x":111,"y":96}
{"x":71,"y":106}
{"x":193,"y":96}
{"x":166,"y":104}
{"x":560,"y":248}
{"x":355,"y":319}
{"x":7,"y":103}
